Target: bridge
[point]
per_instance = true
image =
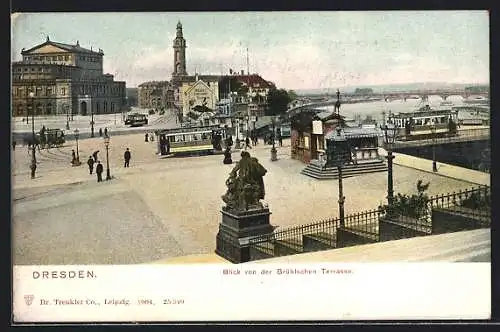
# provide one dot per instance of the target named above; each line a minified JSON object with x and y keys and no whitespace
{"x":346,"y":98}
{"x":463,"y":135}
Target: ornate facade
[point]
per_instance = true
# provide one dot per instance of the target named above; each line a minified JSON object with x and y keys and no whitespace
{"x":156,"y":95}
{"x":65,"y":79}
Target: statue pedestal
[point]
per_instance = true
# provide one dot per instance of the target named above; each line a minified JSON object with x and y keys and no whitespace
{"x":235,"y":229}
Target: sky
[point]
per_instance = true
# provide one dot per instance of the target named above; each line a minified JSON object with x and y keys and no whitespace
{"x":295,"y":50}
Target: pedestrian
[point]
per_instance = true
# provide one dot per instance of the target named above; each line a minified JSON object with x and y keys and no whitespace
{"x":151,"y":137}
{"x":146,"y":137}
{"x":247,"y":142}
{"x":13,"y":145}
{"x":95,"y":155}
{"x":127,"y":157}
{"x":73,"y":157}
{"x":105,"y":132}
{"x":90,"y":162}
{"x":33,"y":169}
{"x":98,"y":170}
{"x":100,"y":132}
{"x":280,"y":139}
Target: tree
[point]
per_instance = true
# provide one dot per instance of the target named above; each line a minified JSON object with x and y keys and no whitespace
{"x":293,"y":95}
{"x":278,"y":101}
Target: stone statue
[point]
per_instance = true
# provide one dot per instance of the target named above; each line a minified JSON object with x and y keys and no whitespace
{"x":245,"y":185}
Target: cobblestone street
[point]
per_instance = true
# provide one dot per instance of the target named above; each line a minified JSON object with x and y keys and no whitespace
{"x":161,"y":208}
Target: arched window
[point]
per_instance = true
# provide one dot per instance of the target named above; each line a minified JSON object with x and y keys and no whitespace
{"x":105,"y":106}
{"x":38,"y":109}
{"x":112,"y":107}
{"x":97,"y":107}
{"x":49,"y":108}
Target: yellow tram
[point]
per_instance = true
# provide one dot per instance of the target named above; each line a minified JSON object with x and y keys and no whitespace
{"x":190,"y":140}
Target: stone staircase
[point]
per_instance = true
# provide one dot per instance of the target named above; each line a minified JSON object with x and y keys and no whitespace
{"x":315,"y":169}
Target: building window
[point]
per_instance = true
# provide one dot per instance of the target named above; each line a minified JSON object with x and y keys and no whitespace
{"x":112,"y":107}
{"x":49,"y":108}
{"x":49,"y":91}
{"x":66,"y":58}
{"x":98,"y":107}
{"x":63,"y":91}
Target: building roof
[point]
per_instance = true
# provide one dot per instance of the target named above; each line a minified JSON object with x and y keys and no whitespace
{"x":253,"y":80}
{"x":154,"y":83}
{"x":263,"y":121}
{"x":68,"y":47}
{"x":353,"y":132}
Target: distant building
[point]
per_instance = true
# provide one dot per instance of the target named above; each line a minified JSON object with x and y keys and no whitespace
{"x":65,"y":79}
{"x":156,"y":95}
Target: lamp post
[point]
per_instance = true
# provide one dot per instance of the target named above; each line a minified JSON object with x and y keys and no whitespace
{"x":274,"y":152}
{"x":67,"y":116}
{"x":33,"y":157}
{"x":91,"y":119}
{"x":341,"y":153}
{"x":106,"y":143}
{"x":77,"y":134}
{"x":433,"y":131}
{"x":390,"y":137}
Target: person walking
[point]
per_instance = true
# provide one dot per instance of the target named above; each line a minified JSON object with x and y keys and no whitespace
{"x":247,"y":143}
{"x":90,"y":162}
{"x":127,"y":157}
{"x":146,"y":137}
{"x":98,"y":170}
{"x":280,"y":139}
{"x":13,"y":145}
{"x":105,"y":132}
{"x":100,"y":132}
{"x":33,"y":169}
{"x":73,"y":157}
{"x":95,"y":155}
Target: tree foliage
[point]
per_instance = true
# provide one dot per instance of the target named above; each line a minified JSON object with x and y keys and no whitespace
{"x":277,"y":100}
{"x":414,"y":206}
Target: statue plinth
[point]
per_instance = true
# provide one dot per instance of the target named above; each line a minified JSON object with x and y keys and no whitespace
{"x":235,"y":229}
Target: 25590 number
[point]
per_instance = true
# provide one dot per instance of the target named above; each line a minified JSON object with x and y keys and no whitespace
{"x":173,"y":301}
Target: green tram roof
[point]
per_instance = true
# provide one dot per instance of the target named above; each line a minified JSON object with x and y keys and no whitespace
{"x":188,"y":130}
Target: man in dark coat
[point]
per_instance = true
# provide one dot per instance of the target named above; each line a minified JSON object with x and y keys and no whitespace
{"x":98,"y":170}
{"x":90,"y":162}
{"x":100,"y":132}
{"x":95,"y":155}
{"x":33,"y":169}
{"x":146,"y":137}
{"x":105,"y":132}
{"x":73,"y":157}
{"x":127,"y":157}
{"x":13,"y":145}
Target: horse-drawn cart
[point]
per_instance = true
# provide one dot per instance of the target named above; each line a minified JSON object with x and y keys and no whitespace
{"x":51,"y":138}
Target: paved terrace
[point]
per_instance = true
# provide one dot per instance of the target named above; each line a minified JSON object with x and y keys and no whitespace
{"x":169,"y":208}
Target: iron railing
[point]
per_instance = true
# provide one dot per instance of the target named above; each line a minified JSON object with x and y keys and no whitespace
{"x":474,"y":203}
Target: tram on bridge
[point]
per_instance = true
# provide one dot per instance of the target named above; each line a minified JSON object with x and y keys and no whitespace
{"x":190,"y":140}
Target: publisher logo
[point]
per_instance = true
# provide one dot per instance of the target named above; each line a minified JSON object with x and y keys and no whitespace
{"x":29,"y":299}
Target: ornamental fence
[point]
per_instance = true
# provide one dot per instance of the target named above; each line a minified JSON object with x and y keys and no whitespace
{"x":462,"y":210}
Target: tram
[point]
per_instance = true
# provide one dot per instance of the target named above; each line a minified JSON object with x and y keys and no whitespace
{"x":190,"y":140}
{"x":136,"y":120}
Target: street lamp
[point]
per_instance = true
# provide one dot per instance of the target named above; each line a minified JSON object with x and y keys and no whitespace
{"x":433,"y":131}
{"x":340,"y":157}
{"x":91,"y":119}
{"x":274,"y":152}
{"x":67,"y":116}
{"x":33,"y":157}
{"x":390,"y":136}
{"x":77,"y":134}
{"x":106,"y":143}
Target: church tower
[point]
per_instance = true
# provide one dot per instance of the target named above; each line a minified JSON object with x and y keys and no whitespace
{"x":179,"y":53}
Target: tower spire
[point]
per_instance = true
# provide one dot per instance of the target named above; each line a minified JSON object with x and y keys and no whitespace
{"x":179,"y":47}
